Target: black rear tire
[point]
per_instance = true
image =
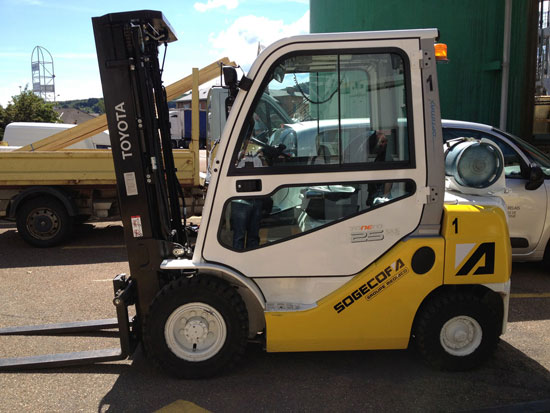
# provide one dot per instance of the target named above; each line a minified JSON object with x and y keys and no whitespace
{"x":44,"y":222}
{"x":196,"y":327}
{"x":456,"y":331}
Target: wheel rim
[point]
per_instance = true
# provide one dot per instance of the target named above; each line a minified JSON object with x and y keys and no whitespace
{"x":461,"y":336}
{"x":43,"y":223}
{"x":195,"y":332}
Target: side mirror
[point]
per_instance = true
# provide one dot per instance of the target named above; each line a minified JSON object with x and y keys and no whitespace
{"x":230,"y":77}
{"x":231,"y":81}
{"x":536,"y":177}
{"x":279,"y":73}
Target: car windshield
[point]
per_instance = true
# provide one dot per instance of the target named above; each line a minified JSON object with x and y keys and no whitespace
{"x":534,"y":154}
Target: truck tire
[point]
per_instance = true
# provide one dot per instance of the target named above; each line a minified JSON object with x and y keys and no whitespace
{"x":43,"y":222}
{"x":456,"y":331}
{"x":196,"y":327}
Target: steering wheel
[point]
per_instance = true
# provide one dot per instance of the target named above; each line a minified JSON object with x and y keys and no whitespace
{"x":271,"y":153}
{"x":256,"y":140}
{"x":262,"y":138}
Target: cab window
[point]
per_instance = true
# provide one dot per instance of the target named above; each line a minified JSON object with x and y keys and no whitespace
{"x":328,"y":111}
{"x":291,"y":211}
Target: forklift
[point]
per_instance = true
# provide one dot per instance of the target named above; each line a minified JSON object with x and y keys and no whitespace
{"x":327,"y":230}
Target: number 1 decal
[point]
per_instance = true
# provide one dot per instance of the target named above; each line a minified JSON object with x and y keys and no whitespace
{"x":455,"y":223}
{"x":430,"y":82}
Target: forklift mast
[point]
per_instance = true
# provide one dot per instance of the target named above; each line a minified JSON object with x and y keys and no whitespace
{"x":137,"y":114}
{"x":148,"y":190}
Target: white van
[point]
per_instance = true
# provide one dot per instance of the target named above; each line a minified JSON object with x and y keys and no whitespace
{"x":18,"y":134}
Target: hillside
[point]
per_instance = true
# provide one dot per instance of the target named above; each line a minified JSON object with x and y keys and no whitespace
{"x":90,"y":105}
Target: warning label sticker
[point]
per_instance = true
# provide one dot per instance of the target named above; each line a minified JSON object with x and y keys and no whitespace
{"x":130,"y":183}
{"x":136,"y":227}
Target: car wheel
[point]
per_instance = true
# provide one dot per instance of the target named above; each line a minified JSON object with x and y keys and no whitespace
{"x":456,"y":331}
{"x":43,"y":222}
{"x":196,"y":327}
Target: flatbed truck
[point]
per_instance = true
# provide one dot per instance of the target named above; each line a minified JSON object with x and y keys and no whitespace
{"x":47,"y":189}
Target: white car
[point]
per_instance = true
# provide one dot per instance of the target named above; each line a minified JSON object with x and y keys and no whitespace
{"x":527,"y":172}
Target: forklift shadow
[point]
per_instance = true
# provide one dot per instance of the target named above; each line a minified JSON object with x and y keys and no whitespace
{"x":95,"y":235}
{"x":90,"y":244}
{"x":333,"y":381}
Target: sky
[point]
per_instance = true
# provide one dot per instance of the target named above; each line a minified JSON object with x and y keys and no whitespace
{"x":206,"y":29}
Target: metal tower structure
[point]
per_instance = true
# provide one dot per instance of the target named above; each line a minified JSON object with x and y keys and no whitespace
{"x":43,"y":77}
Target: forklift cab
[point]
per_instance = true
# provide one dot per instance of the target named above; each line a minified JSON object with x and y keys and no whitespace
{"x":311,"y":182}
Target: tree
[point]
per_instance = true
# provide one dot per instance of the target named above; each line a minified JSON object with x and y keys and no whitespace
{"x":26,"y":107}
{"x":2,"y":122}
{"x":101,"y":106}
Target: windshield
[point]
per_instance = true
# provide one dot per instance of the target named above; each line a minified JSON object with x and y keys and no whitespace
{"x":534,"y":154}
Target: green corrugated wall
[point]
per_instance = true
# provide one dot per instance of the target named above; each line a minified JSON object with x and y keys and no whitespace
{"x":470,"y":83}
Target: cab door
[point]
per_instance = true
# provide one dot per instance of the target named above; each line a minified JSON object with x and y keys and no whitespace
{"x":334,"y":188}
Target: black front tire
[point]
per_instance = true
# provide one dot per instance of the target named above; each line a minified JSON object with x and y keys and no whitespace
{"x":456,"y":331}
{"x":196,"y":327}
{"x":44,"y":222}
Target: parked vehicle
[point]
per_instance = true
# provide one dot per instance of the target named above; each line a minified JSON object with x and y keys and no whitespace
{"x":527,"y":172}
{"x":180,"y":128}
{"x":26,"y":133}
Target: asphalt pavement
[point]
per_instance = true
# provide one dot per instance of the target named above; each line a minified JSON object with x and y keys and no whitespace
{"x":73,"y":283}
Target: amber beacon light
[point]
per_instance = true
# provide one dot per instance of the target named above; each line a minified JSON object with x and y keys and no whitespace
{"x":441,"y":52}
